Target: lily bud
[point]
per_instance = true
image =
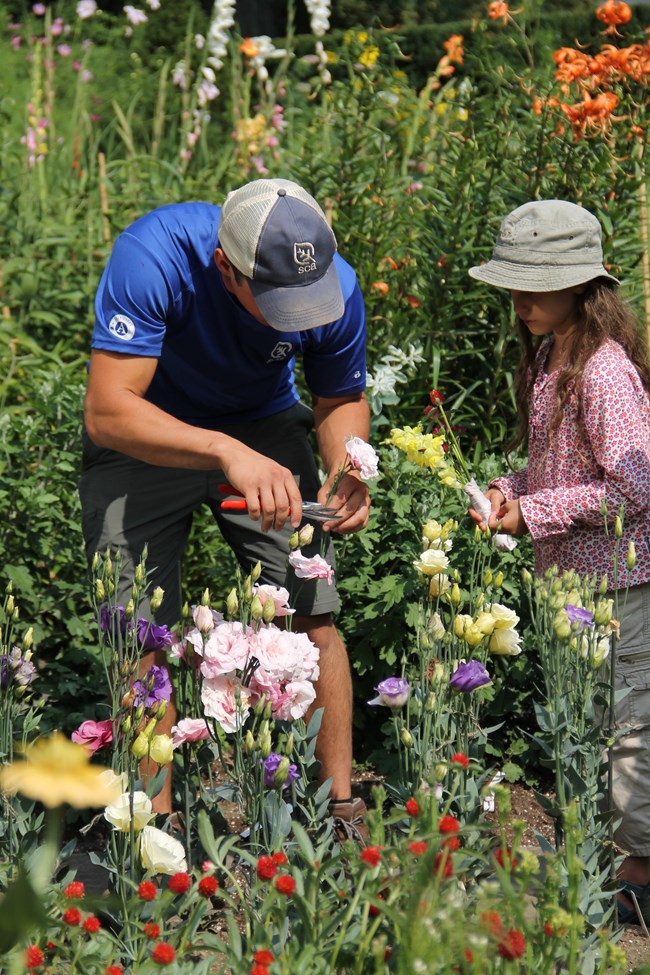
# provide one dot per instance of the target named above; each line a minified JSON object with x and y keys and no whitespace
{"x":10,"y":605}
{"x":487,"y":577}
{"x":247,"y":588}
{"x":232,"y":602}
{"x":526,"y":577}
{"x":100,"y":592}
{"x":631,"y":556}
{"x":28,"y":639}
{"x":157,"y":598}
{"x":185,"y":611}
{"x":95,"y":562}
{"x":257,"y":572}
{"x":15,"y":614}
{"x":161,"y":709}
{"x":108,"y":564}
{"x":454,"y":595}
{"x":205,"y":598}
{"x":294,"y":541}
{"x":249,"y":743}
{"x":604,"y":585}
{"x":129,"y":610}
{"x":268,"y":611}
{"x":139,"y":574}
{"x":618,"y":527}
{"x":264,"y":743}
{"x":498,"y":579}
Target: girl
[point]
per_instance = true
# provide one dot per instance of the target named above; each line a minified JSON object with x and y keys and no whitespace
{"x":582,"y":393}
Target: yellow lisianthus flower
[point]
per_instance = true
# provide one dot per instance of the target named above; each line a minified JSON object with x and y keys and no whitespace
{"x":56,"y":771}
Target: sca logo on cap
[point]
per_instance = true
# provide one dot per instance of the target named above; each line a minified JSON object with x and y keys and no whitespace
{"x":304,"y":256}
{"x":122,"y":327}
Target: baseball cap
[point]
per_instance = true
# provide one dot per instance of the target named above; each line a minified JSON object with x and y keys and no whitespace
{"x":545,"y":245}
{"x":276,"y":235}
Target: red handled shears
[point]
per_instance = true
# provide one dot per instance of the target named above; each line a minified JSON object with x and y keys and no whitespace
{"x":311,"y":510}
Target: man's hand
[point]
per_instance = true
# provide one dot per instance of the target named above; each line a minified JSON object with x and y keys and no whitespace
{"x":352,"y":501}
{"x":270,"y":490}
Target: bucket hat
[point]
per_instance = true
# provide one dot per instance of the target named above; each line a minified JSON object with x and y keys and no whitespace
{"x":276,"y":234}
{"x":545,"y":245}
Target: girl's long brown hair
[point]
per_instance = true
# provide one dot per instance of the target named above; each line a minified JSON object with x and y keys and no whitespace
{"x":603,"y":315}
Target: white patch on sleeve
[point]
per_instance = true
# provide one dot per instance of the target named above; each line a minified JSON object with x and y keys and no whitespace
{"x":122,"y":327}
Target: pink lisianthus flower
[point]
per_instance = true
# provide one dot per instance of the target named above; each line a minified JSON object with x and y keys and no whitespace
{"x":189,"y":729}
{"x":285,"y":655}
{"x":362,"y":457}
{"x":278,"y":595}
{"x":227,"y":648}
{"x":93,"y":735}
{"x":134,"y":15}
{"x":311,"y":568}
{"x":289,"y":701}
{"x":226,"y":700}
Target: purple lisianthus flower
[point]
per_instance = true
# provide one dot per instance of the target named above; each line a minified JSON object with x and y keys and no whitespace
{"x":392,"y":693}
{"x":15,"y":669}
{"x":155,"y":686}
{"x":270,"y":768}
{"x":579,"y":615}
{"x":469,"y":676}
{"x":111,"y":617}
{"x":151,"y":636}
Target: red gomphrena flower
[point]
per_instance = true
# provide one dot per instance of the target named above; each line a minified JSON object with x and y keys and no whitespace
{"x":74,"y":891}
{"x":507,"y":857}
{"x":152,"y":930}
{"x":266,"y":868}
{"x":549,"y":930}
{"x":258,"y":969}
{"x":512,"y":944}
{"x":114,"y":970}
{"x":285,"y":884}
{"x":263,"y":957}
{"x":208,"y":886}
{"x":280,"y":858}
{"x":371,"y":855}
{"x":469,"y":956}
{"x":34,"y":957}
{"x":451,"y":843}
{"x":412,"y":808}
{"x":492,"y":922}
{"x":443,"y":865}
{"x":179,"y":883}
{"x":436,"y":397}
{"x":92,"y":924}
{"x":162,"y":953}
{"x":418,"y":848}
{"x":460,"y":759}
{"x":147,"y":890}
{"x":374,"y":910}
{"x":72,"y":917}
{"x":448,"y":824}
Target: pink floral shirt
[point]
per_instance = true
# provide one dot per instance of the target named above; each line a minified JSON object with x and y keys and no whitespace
{"x":562,"y":490}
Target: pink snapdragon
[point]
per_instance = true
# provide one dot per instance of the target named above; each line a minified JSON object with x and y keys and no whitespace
{"x":93,"y":735}
{"x":189,"y":730}
{"x":311,"y":568}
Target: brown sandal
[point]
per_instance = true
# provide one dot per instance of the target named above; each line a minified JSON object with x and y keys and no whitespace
{"x":349,"y":820}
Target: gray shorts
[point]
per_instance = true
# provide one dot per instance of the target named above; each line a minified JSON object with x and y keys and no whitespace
{"x":127,"y":504}
{"x":631,"y":765}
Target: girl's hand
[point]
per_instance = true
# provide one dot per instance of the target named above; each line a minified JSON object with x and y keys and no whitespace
{"x":510,"y":519}
{"x":497,"y":499}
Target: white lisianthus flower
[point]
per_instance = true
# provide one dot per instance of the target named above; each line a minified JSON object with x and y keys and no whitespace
{"x":486,"y":622}
{"x":505,"y":641}
{"x":437,"y":627}
{"x":503,"y":616}
{"x":438,"y":586}
{"x":161,"y":749}
{"x":161,"y":853}
{"x":363,"y":458}
{"x":118,"y":814}
{"x":109,"y":778}
{"x":433,"y":562}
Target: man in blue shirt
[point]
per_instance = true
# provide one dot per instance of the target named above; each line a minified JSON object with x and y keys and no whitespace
{"x":200,"y":314}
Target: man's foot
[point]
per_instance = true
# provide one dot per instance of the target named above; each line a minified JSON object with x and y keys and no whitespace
{"x":349,"y":819}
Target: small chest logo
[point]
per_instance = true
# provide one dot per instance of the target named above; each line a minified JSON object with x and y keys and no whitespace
{"x":122,"y":327}
{"x":304,"y":256}
{"x":281,"y":351}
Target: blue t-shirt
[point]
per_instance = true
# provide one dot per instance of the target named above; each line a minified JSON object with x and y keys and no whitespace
{"x":161,"y":295}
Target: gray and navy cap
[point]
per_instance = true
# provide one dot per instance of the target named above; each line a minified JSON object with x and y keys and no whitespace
{"x":276,"y":234}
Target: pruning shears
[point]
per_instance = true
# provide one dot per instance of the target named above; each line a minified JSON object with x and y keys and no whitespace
{"x":311,"y":510}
